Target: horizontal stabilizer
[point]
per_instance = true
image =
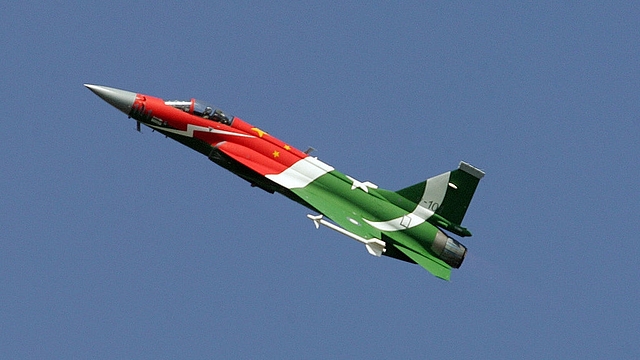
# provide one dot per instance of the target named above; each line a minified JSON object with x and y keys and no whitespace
{"x":434,"y":267}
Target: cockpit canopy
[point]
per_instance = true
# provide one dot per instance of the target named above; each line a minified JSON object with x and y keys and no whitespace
{"x":202,"y":109}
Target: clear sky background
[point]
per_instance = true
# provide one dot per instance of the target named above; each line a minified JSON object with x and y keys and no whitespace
{"x":116,"y":244}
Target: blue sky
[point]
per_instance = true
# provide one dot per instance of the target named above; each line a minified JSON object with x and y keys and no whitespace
{"x":116,"y":244}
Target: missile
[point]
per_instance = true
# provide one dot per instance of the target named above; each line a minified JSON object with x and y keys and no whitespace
{"x":374,"y":246}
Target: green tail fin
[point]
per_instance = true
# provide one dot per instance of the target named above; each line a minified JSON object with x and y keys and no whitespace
{"x":448,"y":194}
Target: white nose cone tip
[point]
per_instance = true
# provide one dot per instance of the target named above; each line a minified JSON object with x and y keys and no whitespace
{"x":120,"y":99}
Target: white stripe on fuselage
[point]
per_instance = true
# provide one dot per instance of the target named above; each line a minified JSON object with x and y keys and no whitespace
{"x":417,"y":217}
{"x":191,"y":128}
{"x":301,"y":174}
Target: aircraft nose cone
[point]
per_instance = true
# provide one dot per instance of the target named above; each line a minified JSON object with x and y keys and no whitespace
{"x":120,"y":99}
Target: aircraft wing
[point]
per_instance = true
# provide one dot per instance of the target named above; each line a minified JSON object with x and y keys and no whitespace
{"x":351,"y":218}
{"x":336,"y":208}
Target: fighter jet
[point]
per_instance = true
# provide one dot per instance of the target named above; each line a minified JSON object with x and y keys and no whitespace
{"x":410,"y":224}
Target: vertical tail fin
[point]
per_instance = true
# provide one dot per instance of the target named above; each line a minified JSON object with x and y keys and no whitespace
{"x":448,"y":194}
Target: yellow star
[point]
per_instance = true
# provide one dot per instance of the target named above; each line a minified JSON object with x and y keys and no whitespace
{"x":287,"y":147}
{"x":276,"y":154}
{"x":260,"y":132}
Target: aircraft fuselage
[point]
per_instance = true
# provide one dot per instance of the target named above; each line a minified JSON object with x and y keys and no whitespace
{"x":386,"y":222}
